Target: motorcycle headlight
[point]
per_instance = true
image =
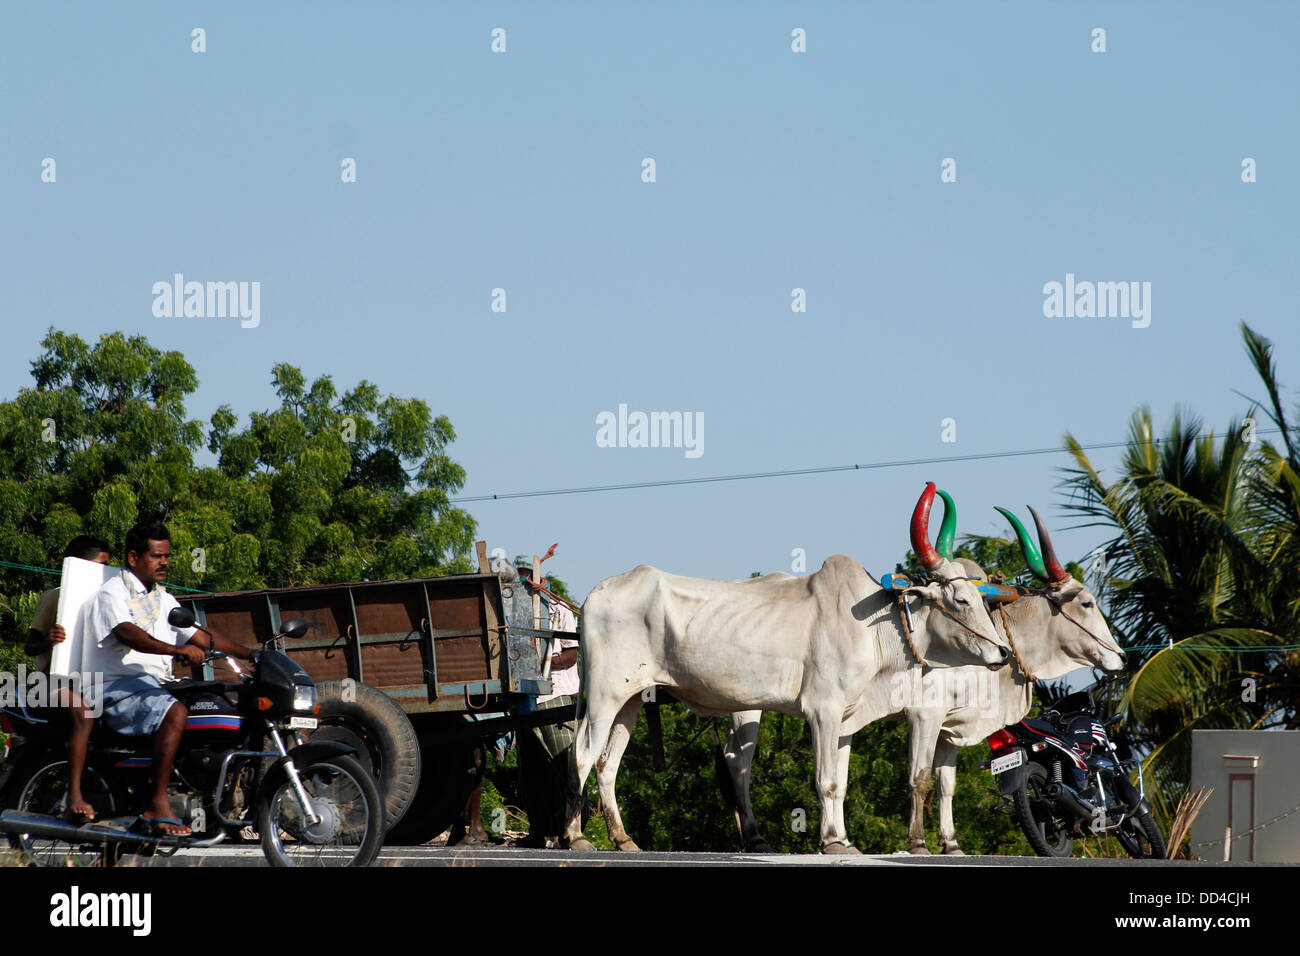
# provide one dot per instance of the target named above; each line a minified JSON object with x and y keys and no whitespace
{"x":304,"y":698}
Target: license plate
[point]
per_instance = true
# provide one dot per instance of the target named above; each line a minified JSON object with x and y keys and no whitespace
{"x":1007,"y":762}
{"x":302,"y":723}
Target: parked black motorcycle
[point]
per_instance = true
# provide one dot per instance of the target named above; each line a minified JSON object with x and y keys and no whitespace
{"x":311,"y":803}
{"x":1066,"y":778}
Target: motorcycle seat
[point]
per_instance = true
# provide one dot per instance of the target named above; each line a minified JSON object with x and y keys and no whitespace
{"x":1042,"y":726}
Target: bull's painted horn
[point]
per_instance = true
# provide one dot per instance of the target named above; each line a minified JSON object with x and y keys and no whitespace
{"x":1055,"y":573}
{"x":1027,"y":546}
{"x":921,"y":530}
{"x":948,"y":529}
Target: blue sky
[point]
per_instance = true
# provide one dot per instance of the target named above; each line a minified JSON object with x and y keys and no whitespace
{"x":775,"y":170}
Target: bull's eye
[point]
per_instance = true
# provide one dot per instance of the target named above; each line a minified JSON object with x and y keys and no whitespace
{"x":962,"y":601}
{"x":1088,"y":604}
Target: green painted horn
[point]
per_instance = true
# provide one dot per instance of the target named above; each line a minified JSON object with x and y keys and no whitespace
{"x":948,"y":530}
{"x":1027,"y":547}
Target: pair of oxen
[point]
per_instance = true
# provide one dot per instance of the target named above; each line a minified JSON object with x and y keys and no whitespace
{"x":839,"y":649}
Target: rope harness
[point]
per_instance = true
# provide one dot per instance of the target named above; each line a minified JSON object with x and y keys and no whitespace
{"x":1088,"y":632}
{"x":1006,"y":626}
{"x":905,"y":616}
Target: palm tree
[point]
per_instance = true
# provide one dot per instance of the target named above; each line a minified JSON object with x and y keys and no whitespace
{"x":1201,"y":577}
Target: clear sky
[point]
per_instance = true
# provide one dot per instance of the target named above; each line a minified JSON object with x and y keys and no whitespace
{"x":774,"y":170}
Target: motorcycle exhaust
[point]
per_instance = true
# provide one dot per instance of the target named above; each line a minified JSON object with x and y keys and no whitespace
{"x":52,"y":828}
{"x":1060,"y":793}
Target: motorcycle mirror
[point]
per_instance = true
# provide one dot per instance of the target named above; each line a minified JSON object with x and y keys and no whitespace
{"x":181,"y":617}
{"x":296,"y":628}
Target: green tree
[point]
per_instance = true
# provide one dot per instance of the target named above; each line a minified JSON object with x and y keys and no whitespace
{"x":322,"y":488}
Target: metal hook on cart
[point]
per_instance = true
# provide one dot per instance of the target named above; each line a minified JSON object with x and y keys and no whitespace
{"x":481,"y":704}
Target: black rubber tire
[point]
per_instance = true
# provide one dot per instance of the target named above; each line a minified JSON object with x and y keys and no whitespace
{"x":382,"y":735}
{"x":45,"y":852}
{"x":1147,"y":843}
{"x":1061,"y":844}
{"x":449,"y":777}
{"x":319,"y":777}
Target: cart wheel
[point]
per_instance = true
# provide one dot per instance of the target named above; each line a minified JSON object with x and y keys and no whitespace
{"x":384,"y":740}
{"x":448,"y":778}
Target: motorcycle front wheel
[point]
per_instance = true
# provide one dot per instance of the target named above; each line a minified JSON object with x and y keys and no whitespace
{"x":349,"y":830}
{"x":1046,"y":834}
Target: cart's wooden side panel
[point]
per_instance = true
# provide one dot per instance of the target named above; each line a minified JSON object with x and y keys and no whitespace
{"x":458,"y":623}
{"x":430,"y":643}
{"x":381,"y":632}
{"x":492,"y":621}
{"x":328,"y":652}
{"x":391,"y":622}
{"x":243,"y":620}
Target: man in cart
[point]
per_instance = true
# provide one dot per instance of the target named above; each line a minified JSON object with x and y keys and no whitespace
{"x":544,"y":751}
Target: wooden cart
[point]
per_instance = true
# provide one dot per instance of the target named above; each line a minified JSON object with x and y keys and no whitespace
{"x":447,"y":651}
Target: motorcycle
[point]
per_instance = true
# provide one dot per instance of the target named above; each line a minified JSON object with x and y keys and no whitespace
{"x":310,"y":804}
{"x":1066,"y":778}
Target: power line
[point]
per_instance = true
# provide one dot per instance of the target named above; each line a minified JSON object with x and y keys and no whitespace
{"x":59,"y":571}
{"x":793,"y":472}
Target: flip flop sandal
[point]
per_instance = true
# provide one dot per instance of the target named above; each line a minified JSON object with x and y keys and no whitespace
{"x":152,"y":826}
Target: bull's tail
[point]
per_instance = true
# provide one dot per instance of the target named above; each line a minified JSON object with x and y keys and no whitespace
{"x":581,"y":708}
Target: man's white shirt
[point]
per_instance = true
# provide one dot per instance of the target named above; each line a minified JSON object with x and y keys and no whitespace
{"x":563,"y":682}
{"x":101,"y":650}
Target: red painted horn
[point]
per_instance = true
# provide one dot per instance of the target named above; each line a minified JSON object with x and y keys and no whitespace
{"x":1055,"y":573}
{"x":921,"y":530}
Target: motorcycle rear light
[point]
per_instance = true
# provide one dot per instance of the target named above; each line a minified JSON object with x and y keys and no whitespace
{"x":1002,"y":740}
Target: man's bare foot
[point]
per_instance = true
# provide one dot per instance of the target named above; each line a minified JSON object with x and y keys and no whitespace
{"x":79,"y":811}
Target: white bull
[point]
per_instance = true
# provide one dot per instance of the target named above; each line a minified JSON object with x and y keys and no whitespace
{"x":1052,"y":632}
{"x":822,"y":647}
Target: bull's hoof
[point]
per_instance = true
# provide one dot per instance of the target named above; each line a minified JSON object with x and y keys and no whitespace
{"x":581,"y":843}
{"x":758,"y":846}
{"x":952,"y":849}
{"x":842,"y":847}
{"x":628,"y":846}
{"x":919,"y":849}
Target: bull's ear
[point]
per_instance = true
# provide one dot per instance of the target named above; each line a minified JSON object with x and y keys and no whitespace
{"x":931,"y":590}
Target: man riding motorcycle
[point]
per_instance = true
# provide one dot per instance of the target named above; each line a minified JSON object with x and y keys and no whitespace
{"x":128,"y":640}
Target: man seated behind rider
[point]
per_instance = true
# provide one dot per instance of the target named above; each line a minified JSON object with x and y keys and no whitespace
{"x":129,"y":640}
{"x":44,"y":633}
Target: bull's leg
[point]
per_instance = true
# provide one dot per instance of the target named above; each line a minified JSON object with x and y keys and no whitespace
{"x":924,"y":736}
{"x":825,"y":726}
{"x":742,"y":743}
{"x":592,"y":735}
{"x":607,"y":772}
{"x":945,"y":771}
{"x":842,"y":788}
